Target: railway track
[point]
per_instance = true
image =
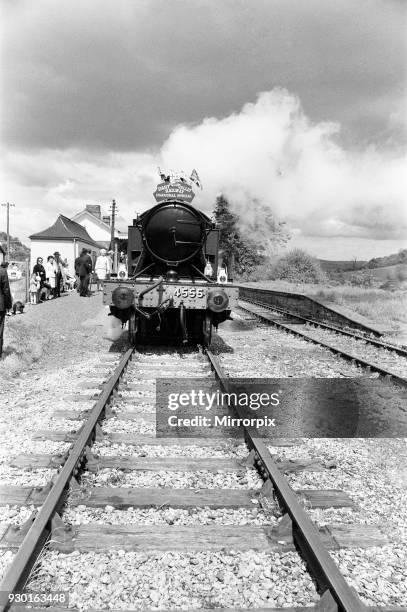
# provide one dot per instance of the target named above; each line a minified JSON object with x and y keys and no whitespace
{"x":97,"y":474}
{"x":400,"y":350}
{"x":350,"y":347}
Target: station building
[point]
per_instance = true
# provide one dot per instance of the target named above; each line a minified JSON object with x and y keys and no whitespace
{"x":98,"y":226}
{"x":65,"y":236}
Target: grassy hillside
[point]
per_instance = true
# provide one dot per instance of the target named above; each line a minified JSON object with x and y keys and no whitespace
{"x":329,"y":266}
{"x":389,"y":260}
{"x":397,"y":273}
{"x":333,"y":266}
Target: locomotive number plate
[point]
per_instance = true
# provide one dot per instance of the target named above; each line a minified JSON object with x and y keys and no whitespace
{"x":189,"y":292}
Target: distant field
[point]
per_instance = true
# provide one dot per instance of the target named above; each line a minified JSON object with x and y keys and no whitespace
{"x":395,"y":272}
{"x":386,"y":308}
{"x":339,"y":266}
{"x":353,"y":265}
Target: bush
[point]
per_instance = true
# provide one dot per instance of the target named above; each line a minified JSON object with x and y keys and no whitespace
{"x":401,"y":273}
{"x":297,"y":266}
{"x":361,"y":280}
{"x":261,"y":272}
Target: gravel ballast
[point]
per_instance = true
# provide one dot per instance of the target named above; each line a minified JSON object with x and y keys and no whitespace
{"x":15,"y":515}
{"x":360,"y":348}
{"x":248,"y":479}
{"x":373,"y":472}
{"x":224,"y":450}
{"x":178,"y":580}
{"x":6,"y":558}
{"x":25,"y":478}
{"x":264,"y":351}
{"x":79,"y":515}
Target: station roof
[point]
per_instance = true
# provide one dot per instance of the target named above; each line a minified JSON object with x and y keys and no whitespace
{"x":64,"y":229}
{"x":95,"y":216}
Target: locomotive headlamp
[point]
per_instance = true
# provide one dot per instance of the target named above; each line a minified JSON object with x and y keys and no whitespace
{"x":122,"y":297}
{"x":172,"y":276}
{"x":217,"y":300}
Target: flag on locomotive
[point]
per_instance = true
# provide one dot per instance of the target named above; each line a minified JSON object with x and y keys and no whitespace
{"x":171,"y":291}
{"x":195,"y":179}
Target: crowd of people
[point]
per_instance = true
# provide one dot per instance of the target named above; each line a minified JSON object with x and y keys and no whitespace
{"x":49,"y":279}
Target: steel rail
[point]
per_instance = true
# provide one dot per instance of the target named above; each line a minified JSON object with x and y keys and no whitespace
{"x":41,"y":529}
{"x":349,"y":356}
{"x":390,"y":347}
{"x":305,"y":533}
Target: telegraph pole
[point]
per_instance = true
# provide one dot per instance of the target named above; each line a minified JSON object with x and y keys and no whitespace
{"x":7,"y":204}
{"x":112,"y":240}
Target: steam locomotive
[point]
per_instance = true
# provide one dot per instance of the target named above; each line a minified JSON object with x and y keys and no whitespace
{"x":171,"y":292}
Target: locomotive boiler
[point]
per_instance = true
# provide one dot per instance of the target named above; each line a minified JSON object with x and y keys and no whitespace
{"x":171,"y":292}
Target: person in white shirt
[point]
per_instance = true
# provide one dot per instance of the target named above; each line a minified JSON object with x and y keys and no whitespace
{"x":51,"y":274}
{"x":102,"y":268}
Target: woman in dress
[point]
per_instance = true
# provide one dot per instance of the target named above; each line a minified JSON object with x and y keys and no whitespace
{"x":39,"y":270}
{"x":102,"y":268}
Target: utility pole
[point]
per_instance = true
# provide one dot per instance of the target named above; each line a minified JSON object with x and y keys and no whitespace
{"x":7,"y":204}
{"x":112,"y":240}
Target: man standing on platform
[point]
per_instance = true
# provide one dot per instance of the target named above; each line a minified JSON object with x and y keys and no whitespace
{"x":84,"y":270}
{"x":5,"y":302}
{"x":58,"y":277}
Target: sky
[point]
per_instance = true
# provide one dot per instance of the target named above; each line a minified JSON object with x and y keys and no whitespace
{"x":299,"y":107}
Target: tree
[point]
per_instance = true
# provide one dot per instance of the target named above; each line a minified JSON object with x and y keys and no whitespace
{"x":239,"y":255}
{"x":18,"y":250}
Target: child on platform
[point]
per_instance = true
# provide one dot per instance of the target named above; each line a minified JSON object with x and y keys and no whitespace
{"x":35,"y":281}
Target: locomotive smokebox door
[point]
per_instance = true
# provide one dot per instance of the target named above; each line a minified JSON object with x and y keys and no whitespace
{"x":174,"y":233}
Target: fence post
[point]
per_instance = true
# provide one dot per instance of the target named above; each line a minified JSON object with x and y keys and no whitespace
{"x":27,"y":279}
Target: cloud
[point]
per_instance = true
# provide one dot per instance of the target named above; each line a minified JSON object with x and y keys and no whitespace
{"x":51,"y":182}
{"x":120,"y":75}
{"x":270,"y":151}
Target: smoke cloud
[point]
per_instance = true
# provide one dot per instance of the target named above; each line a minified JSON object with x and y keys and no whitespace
{"x":271,"y":152}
